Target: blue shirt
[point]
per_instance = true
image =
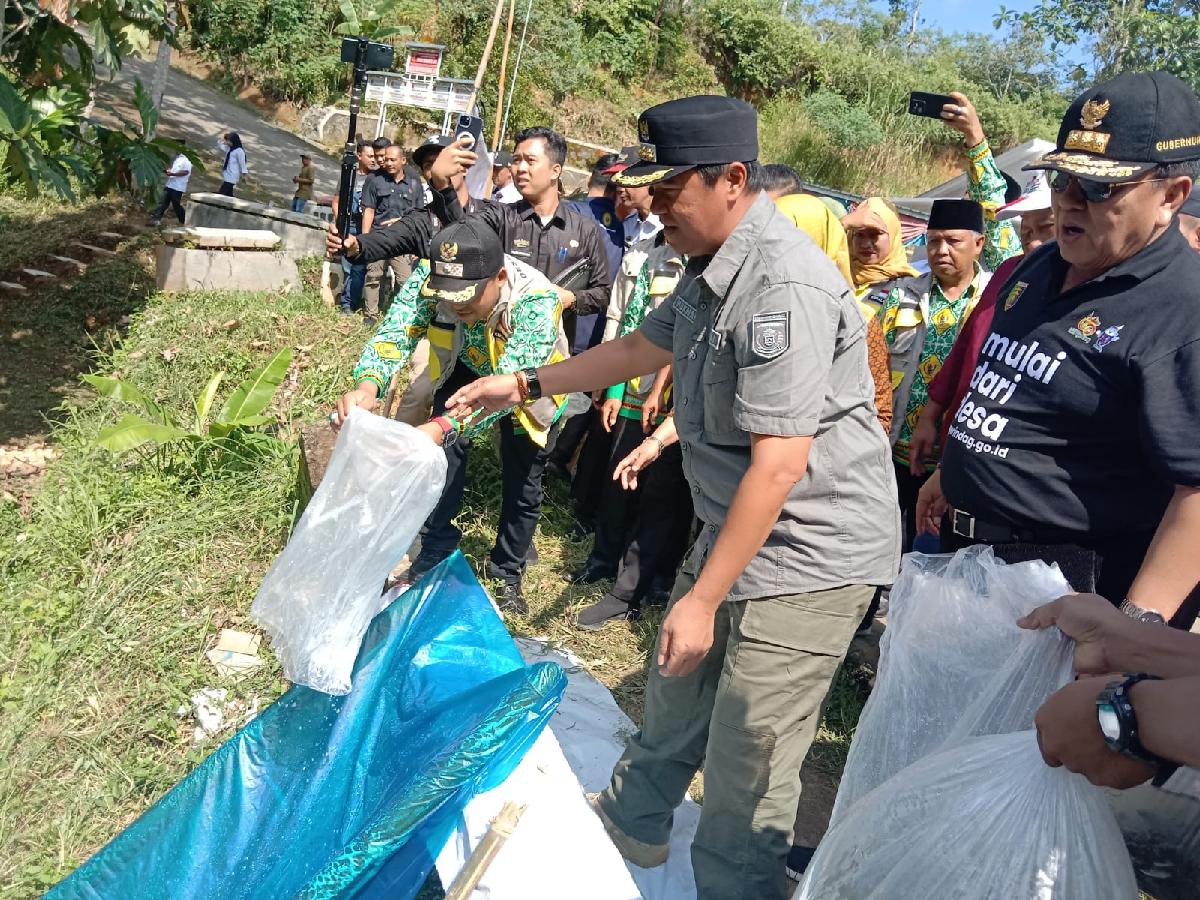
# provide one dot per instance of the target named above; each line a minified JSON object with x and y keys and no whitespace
{"x":590,"y":328}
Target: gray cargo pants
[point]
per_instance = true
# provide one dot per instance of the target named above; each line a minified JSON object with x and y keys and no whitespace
{"x":748,"y":713}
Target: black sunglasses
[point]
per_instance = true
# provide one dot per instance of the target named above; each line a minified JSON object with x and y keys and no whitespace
{"x":1093,"y":191}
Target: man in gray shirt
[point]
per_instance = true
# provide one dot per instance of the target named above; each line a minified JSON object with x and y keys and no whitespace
{"x":790,"y":475}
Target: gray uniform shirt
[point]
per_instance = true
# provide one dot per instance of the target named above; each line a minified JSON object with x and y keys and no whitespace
{"x":768,"y":339}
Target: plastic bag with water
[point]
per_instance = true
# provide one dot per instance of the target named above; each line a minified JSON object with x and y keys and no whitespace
{"x":384,"y":479}
{"x":945,"y":793}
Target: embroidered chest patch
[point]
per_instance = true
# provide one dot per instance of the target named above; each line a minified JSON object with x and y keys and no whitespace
{"x":769,"y":333}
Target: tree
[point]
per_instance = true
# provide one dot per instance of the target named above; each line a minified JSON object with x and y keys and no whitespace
{"x":1122,"y":35}
{"x":47,"y":73}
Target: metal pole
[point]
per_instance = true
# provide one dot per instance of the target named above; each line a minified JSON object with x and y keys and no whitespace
{"x":516,"y":68}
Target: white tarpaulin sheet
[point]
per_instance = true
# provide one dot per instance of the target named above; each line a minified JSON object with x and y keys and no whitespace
{"x":560,"y":851}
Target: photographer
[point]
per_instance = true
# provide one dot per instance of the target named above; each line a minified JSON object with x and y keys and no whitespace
{"x":540,"y":230}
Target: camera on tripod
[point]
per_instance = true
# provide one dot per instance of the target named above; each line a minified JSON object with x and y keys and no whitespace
{"x":374,"y":56}
{"x":363,"y":55}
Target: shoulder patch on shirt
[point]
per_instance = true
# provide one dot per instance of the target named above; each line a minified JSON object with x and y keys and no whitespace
{"x":683,"y":308}
{"x":769,"y":333}
{"x":1014,"y":295}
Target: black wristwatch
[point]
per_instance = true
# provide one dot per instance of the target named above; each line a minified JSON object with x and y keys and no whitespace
{"x":535,"y":384}
{"x":1118,"y":720}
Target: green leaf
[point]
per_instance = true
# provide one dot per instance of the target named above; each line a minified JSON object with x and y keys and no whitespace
{"x":15,"y":112}
{"x":123,"y":390}
{"x":205,"y":401}
{"x":254,"y":394}
{"x":133,"y":431}
{"x":145,"y":163}
{"x":146,"y":108}
{"x":350,"y":15}
{"x":251,"y":421}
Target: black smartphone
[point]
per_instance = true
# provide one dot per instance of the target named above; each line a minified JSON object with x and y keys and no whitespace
{"x":928,"y":105}
{"x":472,"y":125}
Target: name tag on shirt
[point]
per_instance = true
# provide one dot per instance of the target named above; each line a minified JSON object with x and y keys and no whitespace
{"x":715,"y":339}
{"x":683,"y":308}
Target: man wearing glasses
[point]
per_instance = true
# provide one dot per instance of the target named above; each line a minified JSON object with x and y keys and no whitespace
{"x":1078,"y":441}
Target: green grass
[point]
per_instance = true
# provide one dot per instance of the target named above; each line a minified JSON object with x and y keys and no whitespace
{"x":114,"y":584}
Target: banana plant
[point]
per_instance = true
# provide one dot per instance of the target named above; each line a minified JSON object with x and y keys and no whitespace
{"x":240,"y":414}
{"x":370,"y":22}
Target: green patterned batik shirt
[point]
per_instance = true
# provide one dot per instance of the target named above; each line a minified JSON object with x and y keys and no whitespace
{"x":533,"y":320}
{"x":986,"y":186}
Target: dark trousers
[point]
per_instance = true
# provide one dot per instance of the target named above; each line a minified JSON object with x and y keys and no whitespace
{"x":522,"y":463}
{"x":226,"y":188}
{"x":617,"y":510}
{"x":662,"y":532}
{"x":587,"y":485}
{"x":173,"y":199}
{"x":574,"y":431}
{"x":908,"y":486}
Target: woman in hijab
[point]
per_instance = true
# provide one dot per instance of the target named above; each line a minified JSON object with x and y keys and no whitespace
{"x":234,"y":168}
{"x":812,"y":216}
{"x":877,"y":256}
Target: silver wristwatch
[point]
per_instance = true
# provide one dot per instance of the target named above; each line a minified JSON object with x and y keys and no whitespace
{"x":1138,"y":614}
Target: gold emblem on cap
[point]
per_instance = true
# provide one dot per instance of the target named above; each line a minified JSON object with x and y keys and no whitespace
{"x":648,"y":152}
{"x":1093,"y":113}
{"x":449,"y":250}
{"x":643,"y":129}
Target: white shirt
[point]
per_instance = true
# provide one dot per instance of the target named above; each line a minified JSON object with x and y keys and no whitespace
{"x":236,"y":167}
{"x":180,"y":182}
{"x":507,"y":194}
{"x":638,"y":229}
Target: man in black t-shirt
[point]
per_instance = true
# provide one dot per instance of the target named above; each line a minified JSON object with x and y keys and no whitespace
{"x":1079,"y":439}
{"x":388,"y":195}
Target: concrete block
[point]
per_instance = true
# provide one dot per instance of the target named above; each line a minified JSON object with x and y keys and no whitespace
{"x":12,"y":286}
{"x":235,"y":238}
{"x":186,"y":269}
{"x":92,"y":248}
{"x":69,"y":261}
{"x":300,"y":234}
{"x":37,"y":273}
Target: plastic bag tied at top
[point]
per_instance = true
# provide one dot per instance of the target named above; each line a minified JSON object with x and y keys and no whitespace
{"x":945,"y":793}
{"x":384,"y":479}
{"x":346,"y":796}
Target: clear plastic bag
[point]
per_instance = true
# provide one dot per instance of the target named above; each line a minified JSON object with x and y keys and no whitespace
{"x":383,"y":480}
{"x":985,"y":819}
{"x":945,"y":793}
{"x":953,"y":662}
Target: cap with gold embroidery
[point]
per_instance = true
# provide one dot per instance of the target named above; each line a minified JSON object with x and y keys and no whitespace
{"x":1125,"y":127}
{"x":693,"y":131}
{"x":462,"y":256}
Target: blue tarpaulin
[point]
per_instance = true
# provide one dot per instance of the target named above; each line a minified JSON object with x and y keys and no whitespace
{"x":351,"y":796}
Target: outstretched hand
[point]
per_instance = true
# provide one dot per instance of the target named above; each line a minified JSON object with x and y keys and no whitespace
{"x":492,"y":393}
{"x":1093,"y":623}
{"x":963,"y":118}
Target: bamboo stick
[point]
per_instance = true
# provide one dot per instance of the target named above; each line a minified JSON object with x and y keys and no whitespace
{"x":477,"y":864}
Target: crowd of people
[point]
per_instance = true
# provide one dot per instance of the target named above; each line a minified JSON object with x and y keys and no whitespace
{"x":780,"y":404}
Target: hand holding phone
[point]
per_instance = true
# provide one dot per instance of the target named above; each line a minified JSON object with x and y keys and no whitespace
{"x":472,"y":125}
{"x":928,"y":105}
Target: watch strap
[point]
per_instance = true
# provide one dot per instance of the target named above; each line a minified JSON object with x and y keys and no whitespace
{"x":1128,"y":742}
{"x":534,"y":383}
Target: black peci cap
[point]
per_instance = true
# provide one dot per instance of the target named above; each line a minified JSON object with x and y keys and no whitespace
{"x":431,"y":146}
{"x":694,"y":131}
{"x":462,"y":257}
{"x":1125,"y":127}
{"x":501,"y":158}
{"x":951,"y":215}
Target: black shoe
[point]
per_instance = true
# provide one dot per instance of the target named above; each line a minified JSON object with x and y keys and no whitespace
{"x":370,"y":322}
{"x":590,"y":573}
{"x":510,"y":598}
{"x":798,"y":859}
{"x":607,"y":609}
{"x":421,"y":565}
